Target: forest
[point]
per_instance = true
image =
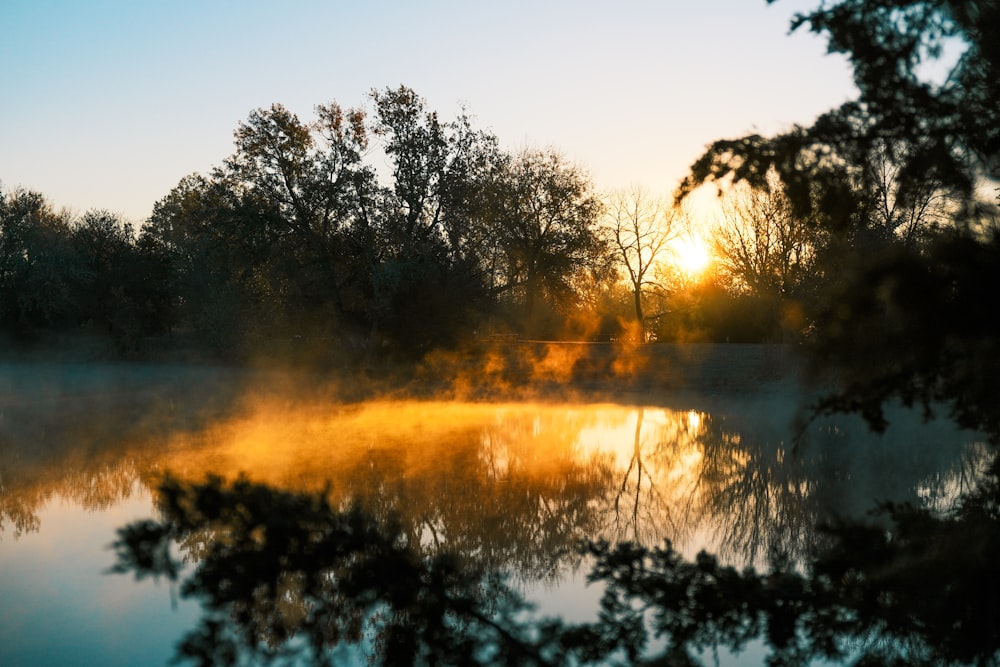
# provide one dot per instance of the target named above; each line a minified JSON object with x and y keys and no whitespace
{"x":869,"y":240}
{"x":301,"y":243}
{"x":386,"y":232}
{"x":391,"y":232}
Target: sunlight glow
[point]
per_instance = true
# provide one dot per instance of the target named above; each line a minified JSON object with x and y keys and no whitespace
{"x":694,"y":420}
{"x":692,"y":255}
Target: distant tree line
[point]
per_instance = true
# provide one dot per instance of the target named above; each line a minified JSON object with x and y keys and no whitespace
{"x":302,"y":235}
{"x":391,"y":231}
{"x":58,"y":272}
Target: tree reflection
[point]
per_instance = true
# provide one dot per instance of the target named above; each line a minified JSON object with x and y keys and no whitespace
{"x":284,"y":575}
{"x":93,"y":484}
{"x":763,"y":493}
{"x":18,"y":511}
{"x":921,"y":590}
{"x":515,"y":486}
{"x":93,"y":434}
{"x":274,"y":566}
{"x":515,"y":493}
{"x":481,"y":499}
{"x":658,"y":478}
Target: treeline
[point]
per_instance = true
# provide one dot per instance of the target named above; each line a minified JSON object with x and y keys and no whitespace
{"x":356,"y":234}
{"x":388,"y":233}
{"x":298,"y":236}
{"x":395,"y":231}
{"x":61,"y":273}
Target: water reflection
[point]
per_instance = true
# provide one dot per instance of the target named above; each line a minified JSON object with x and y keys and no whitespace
{"x":516,"y":485}
{"x":509,"y":487}
{"x":282,"y":574}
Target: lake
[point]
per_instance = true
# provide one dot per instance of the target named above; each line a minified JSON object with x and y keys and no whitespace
{"x":510,"y":485}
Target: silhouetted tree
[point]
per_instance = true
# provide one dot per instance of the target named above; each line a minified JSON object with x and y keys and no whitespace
{"x":104,"y":241}
{"x":298,"y":187}
{"x":196,"y":233}
{"x":878,"y":174}
{"x":910,"y":325}
{"x":127,"y":290}
{"x":760,"y":245}
{"x":546,"y":226}
{"x":430,"y":281}
{"x":295,"y":236}
{"x":930,"y":133}
{"x":641,"y":228}
{"x":39,"y":270}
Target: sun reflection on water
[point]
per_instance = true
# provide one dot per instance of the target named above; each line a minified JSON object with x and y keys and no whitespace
{"x":515,"y":483}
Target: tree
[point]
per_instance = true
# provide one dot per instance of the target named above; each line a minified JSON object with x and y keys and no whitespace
{"x":943,"y":132}
{"x":195,"y":233}
{"x":429,"y":277}
{"x":273,"y":245}
{"x":640,"y":228}
{"x":112,"y":297}
{"x":438,"y":168}
{"x":904,"y":209}
{"x":919,"y":306}
{"x":296,"y":237}
{"x":953,"y":122}
{"x":933,"y":139}
{"x":909,"y":325}
{"x":760,"y":245}
{"x":546,"y":229}
{"x":299,"y":187}
{"x":39,"y":272}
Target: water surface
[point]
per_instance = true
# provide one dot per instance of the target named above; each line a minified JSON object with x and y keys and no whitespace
{"x":513,"y":486}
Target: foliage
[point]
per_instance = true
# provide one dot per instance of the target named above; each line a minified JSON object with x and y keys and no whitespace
{"x":297,"y":245}
{"x":283,"y":575}
{"x":295,"y":236}
{"x":273,"y":566}
{"x":214,"y":281}
{"x":39,"y":271}
{"x":761,"y":247}
{"x":126,"y":289}
{"x":545,"y":219}
{"x":890,"y":183}
{"x":429,"y":287}
{"x":911,"y":325}
{"x":710,"y":311}
{"x":937,"y":136}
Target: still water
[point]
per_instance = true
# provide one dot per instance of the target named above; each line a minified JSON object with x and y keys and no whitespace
{"x":511,"y":485}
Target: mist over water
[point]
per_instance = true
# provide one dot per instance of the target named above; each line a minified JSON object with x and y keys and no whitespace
{"x":512,"y":485}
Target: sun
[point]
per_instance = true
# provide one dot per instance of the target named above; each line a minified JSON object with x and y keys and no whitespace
{"x":692,"y":255}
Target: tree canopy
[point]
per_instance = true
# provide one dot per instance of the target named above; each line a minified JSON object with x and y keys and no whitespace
{"x":893,"y":180}
{"x":303,"y":242}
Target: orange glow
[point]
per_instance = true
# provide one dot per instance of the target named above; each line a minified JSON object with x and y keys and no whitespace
{"x":694,"y":420}
{"x":692,"y":255}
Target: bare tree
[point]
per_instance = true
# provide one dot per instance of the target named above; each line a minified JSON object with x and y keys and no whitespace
{"x":903,"y":208}
{"x":640,"y":227}
{"x":761,"y":246}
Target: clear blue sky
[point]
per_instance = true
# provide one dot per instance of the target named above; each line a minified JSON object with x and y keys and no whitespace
{"x":109,"y":103}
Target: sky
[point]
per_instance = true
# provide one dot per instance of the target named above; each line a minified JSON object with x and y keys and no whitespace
{"x":107,"y":104}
